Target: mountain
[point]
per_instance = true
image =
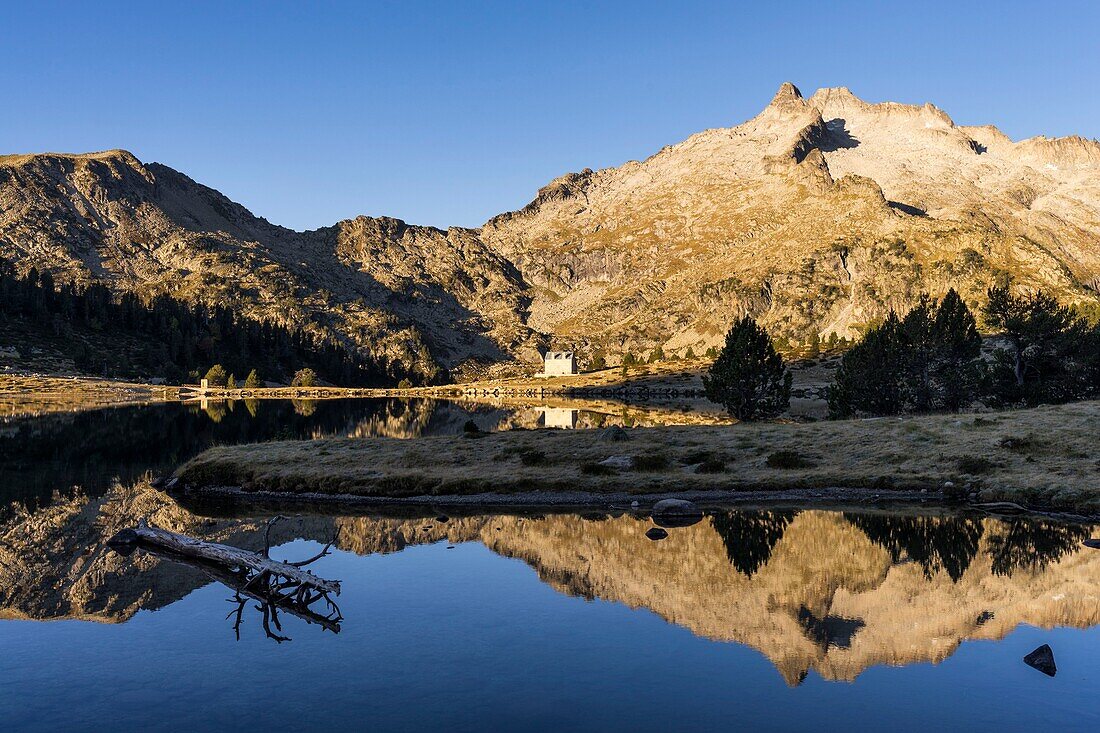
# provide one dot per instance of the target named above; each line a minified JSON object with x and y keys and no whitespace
{"x":415,"y":295}
{"x":817,"y":216}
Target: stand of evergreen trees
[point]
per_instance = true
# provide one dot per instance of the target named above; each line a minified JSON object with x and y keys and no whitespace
{"x":178,"y":341}
{"x":932,"y":358}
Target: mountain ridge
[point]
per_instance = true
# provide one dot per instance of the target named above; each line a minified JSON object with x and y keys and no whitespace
{"x":816,"y":216}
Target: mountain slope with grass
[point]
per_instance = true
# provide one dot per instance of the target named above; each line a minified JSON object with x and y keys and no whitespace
{"x":816,"y":217}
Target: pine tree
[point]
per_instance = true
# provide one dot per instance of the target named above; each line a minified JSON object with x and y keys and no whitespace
{"x":927,"y":361}
{"x":867,"y":379}
{"x":252,"y":381}
{"x":749,"y":378}
{"x":305,"y":378}
{"x":1044,"y":359}
{"x":958,"y":369}
{"x":216,"y":376}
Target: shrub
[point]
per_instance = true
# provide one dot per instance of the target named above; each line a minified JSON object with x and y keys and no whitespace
{"x":749,"y":378}
{"x":470,"y":427}
{"x":405,"y":383}
{"x":788,"y":459}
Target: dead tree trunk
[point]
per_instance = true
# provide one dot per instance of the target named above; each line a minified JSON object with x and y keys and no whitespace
{"x":233,"y":558}
{"x":276,"y":586}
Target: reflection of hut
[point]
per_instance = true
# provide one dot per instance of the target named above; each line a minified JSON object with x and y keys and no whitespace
{"x":559,"y":362}
{"x":559,"y":417}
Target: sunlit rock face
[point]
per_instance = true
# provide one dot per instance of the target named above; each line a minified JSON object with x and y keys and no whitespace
{"x":824,"y":591}
{"x":817,"y":216}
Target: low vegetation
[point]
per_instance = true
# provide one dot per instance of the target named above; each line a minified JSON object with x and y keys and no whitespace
{"x":1044,"y":457}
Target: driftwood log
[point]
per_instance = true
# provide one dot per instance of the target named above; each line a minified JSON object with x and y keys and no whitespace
{"x":276,"y":586}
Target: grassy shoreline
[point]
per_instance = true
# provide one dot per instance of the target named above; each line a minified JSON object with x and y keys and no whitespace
{"x":1044,"y":457}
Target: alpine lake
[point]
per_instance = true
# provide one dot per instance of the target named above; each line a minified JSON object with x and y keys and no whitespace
{"x":770,"y":618}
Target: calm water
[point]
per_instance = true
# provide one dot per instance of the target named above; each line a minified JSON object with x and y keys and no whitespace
{"x":755,"y":620}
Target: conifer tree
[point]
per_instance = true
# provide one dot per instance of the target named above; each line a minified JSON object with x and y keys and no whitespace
{"x":749,"y":378}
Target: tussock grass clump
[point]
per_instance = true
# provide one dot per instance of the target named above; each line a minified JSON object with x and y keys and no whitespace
{"x":696,"y":456}
{"x":592,"y":468}
{"x":788,"y":459}
{"x":532,"y":457}
{"x":711,"y":465}
{"x":651,"y":462}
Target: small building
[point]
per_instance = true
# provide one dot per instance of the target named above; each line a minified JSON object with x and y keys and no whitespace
{"x":557,"y":363}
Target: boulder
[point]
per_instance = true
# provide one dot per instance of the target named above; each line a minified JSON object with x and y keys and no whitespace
{"x":1094,"y":543}
{"x":622,"y":463}
{"x":676,"y":513}
{"x":1042,"y":659}
{"x":656,"y":533}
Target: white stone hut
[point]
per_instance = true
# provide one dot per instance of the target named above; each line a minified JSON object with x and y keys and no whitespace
{"x":557,"y":363}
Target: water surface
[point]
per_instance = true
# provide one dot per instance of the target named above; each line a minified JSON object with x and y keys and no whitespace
{"x":762,"y":620}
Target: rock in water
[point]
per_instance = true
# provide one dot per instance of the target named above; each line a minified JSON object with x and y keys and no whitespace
{"x":1042,"y":659}
{"x":676,"y":513}
{"x":1093,"y":543}
{"x":656,"y":533}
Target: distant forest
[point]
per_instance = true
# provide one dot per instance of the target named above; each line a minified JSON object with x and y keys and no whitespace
{"x":122,"y":335}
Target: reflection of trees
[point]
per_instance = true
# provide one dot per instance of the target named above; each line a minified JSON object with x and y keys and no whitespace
{"x":305,"y":408}
{"x":835,"y":631}
{"x":1032,"y":544}
{"x":750,"y":536}
{"x":935,"y":543}
{"x":216,"y":411}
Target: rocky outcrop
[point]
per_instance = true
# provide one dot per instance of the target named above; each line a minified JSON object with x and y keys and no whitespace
{"x":816,"y":216}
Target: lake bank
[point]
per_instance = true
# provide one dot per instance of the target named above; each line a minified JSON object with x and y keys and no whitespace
{"x":1041,"y":458}
{"x":25,"y":395}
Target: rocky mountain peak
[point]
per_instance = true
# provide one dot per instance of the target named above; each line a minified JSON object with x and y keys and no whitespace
{"x":817,"y":217}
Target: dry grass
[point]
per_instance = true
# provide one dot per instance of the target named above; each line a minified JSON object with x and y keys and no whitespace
{"x":1041,"y":457}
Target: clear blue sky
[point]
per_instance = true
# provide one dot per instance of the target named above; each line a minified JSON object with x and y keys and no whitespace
{"x":448,"y":113}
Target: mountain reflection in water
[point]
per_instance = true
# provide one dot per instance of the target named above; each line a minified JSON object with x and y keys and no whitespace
{"x":811,"y":590}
